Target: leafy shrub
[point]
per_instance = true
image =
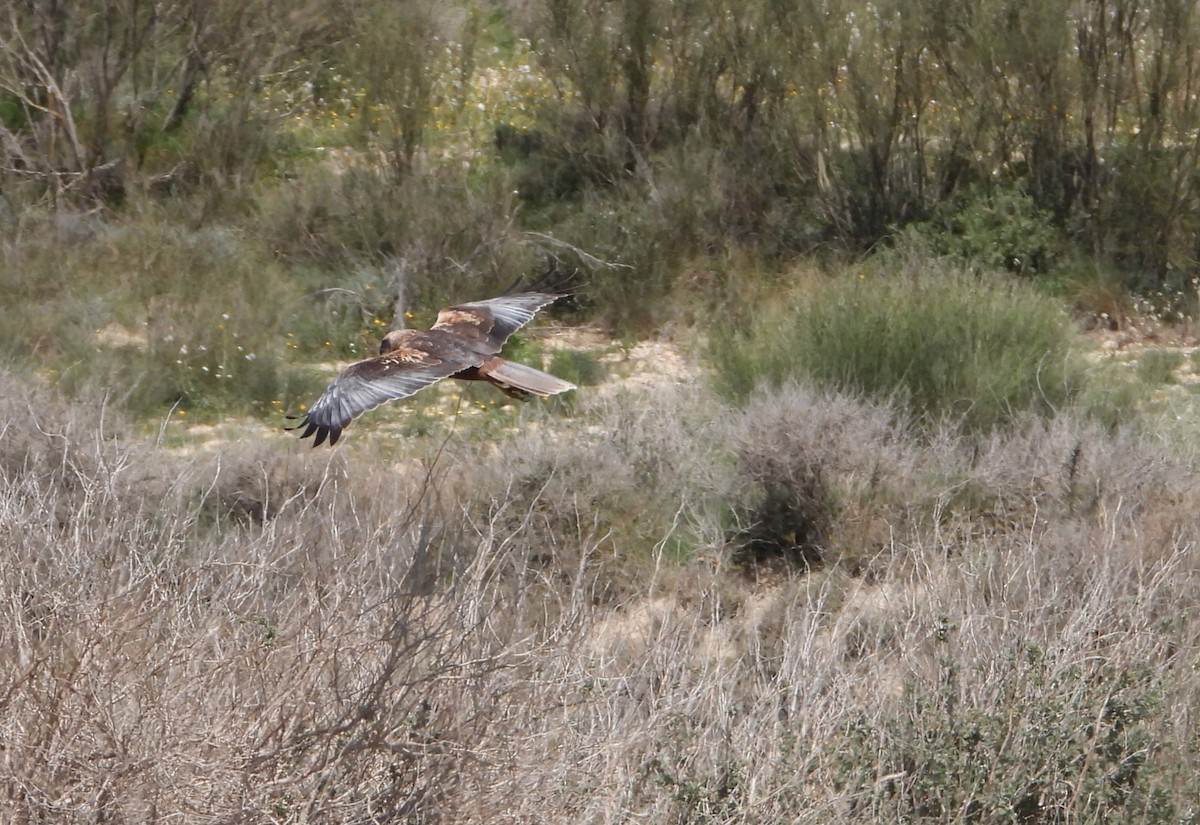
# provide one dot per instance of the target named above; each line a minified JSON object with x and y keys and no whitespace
{"x":977,"y":349}
{"x":995,"y":229}
{"x":1075,"y":739}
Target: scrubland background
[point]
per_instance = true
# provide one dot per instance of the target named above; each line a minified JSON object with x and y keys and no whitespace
{"x":877,"y":502}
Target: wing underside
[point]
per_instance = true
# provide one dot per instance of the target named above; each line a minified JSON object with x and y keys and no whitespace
{"x":366,"y":385}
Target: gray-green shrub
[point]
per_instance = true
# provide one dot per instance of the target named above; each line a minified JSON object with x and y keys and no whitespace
{"x":974,"y":348}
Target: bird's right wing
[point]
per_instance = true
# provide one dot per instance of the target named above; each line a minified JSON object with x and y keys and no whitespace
{"x":367,"y":384}
{"x":486,"y":325}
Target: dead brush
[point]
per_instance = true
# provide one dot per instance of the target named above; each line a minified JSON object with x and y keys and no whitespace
{"x":167,"y":654}
{"x":387,"y":640}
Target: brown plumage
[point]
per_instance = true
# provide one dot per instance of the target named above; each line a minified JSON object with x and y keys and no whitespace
{"x":464,"y":343}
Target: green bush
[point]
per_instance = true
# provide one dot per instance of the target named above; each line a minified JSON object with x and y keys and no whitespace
{"x":580,"y":367}
{"x":977,"y":349}
{"x":1157,"y":367}
{"x":1000,"y":229}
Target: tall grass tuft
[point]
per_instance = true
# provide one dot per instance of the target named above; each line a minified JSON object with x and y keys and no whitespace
{"x":947,"y":345}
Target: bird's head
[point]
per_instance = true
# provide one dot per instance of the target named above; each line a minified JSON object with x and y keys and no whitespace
{"x":390,"y":342}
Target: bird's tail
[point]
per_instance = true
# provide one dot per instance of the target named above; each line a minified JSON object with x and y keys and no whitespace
{"x":519,"y":380}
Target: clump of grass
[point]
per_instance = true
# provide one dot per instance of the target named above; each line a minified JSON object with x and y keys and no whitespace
{"x":1114,"y":395}
{"x":1158,"y":366}
{"x":947,"y":344}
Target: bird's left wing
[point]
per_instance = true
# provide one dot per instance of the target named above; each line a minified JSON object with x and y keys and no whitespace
{"x":486,"y":325}
{"x":367,"y":384}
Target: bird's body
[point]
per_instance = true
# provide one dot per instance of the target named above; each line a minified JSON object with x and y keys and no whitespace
{"x":464,"y":343}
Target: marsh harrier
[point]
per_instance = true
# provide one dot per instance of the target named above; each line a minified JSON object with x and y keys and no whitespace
{"x":464,"y":343}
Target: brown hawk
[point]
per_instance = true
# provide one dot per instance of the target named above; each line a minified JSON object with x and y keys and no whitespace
{"x":464,"y":343}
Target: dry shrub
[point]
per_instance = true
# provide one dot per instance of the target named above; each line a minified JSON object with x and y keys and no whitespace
{"x":633,"y":472}
{"x":241,"y":636}
{"x":817,"y":467}
{"x":1015,"y":652}
{"x":276,"y":634}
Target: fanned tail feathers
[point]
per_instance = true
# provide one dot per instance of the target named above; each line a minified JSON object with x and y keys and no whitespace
{"x":509,"y":375}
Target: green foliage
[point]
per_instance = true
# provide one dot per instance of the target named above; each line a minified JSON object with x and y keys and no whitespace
{"x":156,"y":316}
{"x":975,"y":349}
{"x":1075,"y":739}
{"x":1000,"y":229}
{"x":446,"y":234}
{"x":166,"y":99}
{"x":1158,"y":367}
{"x":580,"y":367}
{"x":984,"y":122}
{"x":991,"y":129}
{"x":1114,"y":395}
{"x":397,"y":83}
{"x":524,"y":349}
{"x":1148,"y":226}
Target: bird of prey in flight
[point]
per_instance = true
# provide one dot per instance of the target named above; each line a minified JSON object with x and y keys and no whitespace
{"x":464,"y":343}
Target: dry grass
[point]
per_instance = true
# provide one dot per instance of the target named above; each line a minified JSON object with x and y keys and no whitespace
{"x":274,"y":634}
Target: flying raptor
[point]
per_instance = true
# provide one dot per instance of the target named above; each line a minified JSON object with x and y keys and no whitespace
{"x":465,"y":343}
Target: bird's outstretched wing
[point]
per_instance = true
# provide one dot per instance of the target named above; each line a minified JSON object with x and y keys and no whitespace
{"x":464,"y":338}
{"x":484,"y":326}
{"x":367,"y":384}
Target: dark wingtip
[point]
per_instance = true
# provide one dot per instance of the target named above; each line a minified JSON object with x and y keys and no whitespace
{"x":331,"y":433}
{"x":558,"y":279}
{"x":310,"y":429}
